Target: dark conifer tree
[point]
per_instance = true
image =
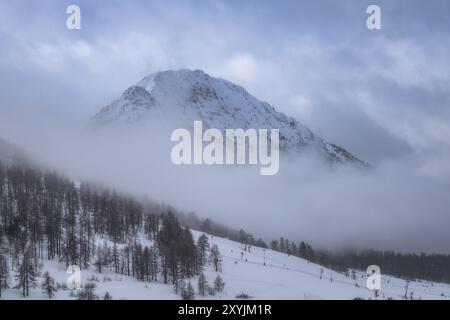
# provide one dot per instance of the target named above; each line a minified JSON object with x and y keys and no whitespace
{"x":48,"y":285}
{"x":188,"y":293}
{"x":116,"y":258}
{"x":219,"y":284}
{"x":179,"y":287}
{"x":107,"y":296}
{"x":4,"y":273}
{"x":203,"y":248}
{"x":216,"y":258}
{"x":26,"y":276}
{"x":274,"y":245}
{"x":282,"y":245}
{"x":154,"y":264}
{"x":202,"y":285}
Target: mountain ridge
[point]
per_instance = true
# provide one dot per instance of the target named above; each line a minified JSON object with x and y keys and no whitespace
{"x":219,"y":103}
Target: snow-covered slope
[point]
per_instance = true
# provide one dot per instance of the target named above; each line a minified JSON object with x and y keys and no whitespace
{"x":289,"y":277}
{"x":194,"y":95}
{"x":281,"y":277}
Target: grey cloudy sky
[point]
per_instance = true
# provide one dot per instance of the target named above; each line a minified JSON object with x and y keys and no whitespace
{"x":383,"y":94}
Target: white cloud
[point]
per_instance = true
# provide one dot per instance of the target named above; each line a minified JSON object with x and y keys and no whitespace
{"x":242,"y":67}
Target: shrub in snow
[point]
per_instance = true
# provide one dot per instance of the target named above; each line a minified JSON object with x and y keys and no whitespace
{"x":243,"y":296}
{"x":211,"y":291}
{"x":88,"y":292}
{"x":93,"y":279}
{"x":107,"y":296}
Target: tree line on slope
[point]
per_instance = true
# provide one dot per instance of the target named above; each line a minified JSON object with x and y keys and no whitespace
{"x":432,"y":267}
{"x":45,"y":216}
{"x":411,"y":266}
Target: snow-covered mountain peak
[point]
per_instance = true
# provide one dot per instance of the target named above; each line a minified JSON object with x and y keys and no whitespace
{"x":194,"y":95}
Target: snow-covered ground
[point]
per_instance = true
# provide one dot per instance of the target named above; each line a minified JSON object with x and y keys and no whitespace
{"x":281,"y":277}
{"x":289,"y":277}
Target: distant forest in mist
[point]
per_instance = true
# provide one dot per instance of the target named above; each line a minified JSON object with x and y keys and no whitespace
{"x":46,"y":216}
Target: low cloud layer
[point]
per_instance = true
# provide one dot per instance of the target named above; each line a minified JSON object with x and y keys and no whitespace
{"x":393,"y":206}
{"x":382,"y":94}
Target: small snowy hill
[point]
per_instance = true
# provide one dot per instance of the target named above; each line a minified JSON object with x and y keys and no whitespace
{"x":281,"y":277}
{"x":185,"y":96}
{"x":289,"y":277}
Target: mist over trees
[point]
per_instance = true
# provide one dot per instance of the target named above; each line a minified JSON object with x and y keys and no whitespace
{"x":433,"y":267}
{"x":44,"y":216}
